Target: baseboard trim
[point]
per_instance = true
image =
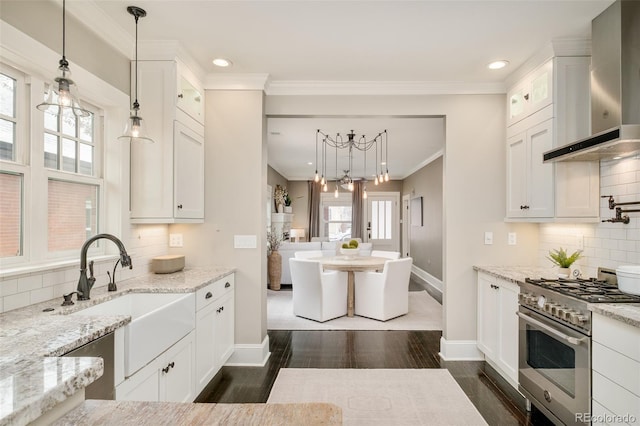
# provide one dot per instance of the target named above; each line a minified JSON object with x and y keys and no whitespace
{"x":250,"y":355}
{"x":431,"y":283}
{"x":460,"y":350}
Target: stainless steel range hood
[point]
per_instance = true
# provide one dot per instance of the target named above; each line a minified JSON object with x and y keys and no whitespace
{"x":615,"y":88}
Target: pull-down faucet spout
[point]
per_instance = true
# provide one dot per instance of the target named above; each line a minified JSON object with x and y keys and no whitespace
{"x":85,"y":284}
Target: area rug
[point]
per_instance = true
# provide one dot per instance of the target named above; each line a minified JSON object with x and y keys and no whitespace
{"x":380,"y":397}
{"x":425,"y":313}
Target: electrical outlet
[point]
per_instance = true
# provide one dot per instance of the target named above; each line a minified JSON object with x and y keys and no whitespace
{"x":512,"y":239}
{"x":175,"y":240}
{"x":488,"y":237}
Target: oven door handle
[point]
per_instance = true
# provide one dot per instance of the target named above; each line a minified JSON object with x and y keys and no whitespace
{"x":575,"y":341}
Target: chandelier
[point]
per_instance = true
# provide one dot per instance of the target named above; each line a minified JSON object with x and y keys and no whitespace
{"x":352,"y":142}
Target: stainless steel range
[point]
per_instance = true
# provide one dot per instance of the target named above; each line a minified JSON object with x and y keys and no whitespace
{"x":555,"y":342}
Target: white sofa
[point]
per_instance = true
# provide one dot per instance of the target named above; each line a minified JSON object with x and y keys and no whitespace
{"x":329,"y":248}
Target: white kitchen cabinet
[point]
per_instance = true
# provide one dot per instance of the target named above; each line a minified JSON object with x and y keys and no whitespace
{"x":550,"y":108}
{"x":530,"y":191}
{"x":214,"y":329}
{"x":615,"y":370}
{"x":170,"y":377}
{"x":498,"y":325}
{"x":167,"y":176}
{"x":531,"y":94}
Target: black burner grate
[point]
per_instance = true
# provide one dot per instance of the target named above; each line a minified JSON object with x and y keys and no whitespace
{"x":590,"y":290}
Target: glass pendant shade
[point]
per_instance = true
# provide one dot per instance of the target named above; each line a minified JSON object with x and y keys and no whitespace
{"x":325,"y":188}
{"x":317,"y":178}
{"x":63,"y":93}
{"x":336,"y":193}
{"x":386,"y":176}
{"x":135,"y":129}
{"x":322,"y":181}
{"x":364,"y":194}
{"x":376,"y":180}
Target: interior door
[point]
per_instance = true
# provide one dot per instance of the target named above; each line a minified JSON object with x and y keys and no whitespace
{"x":382,"y":221}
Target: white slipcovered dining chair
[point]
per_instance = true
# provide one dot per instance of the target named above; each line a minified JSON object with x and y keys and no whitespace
{"x":317,"y":295}
{"x":307,"y":254}
{"x":388,"y":254}
{"x":384,"y":295}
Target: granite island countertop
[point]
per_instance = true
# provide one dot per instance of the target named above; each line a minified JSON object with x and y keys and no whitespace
{"x":29,"y":335}
{"x":628,"y":313}
{"x":120,"y":413}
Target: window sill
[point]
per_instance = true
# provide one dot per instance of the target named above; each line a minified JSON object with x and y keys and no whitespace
{"x":51,"y":266}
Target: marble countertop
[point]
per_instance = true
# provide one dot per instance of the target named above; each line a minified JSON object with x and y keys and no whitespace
{"x":94,"y":412}
{"x":44,"y":330}
{"x":628,"y":313}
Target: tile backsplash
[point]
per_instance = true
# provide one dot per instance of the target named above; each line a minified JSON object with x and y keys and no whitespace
{"x":146,"y":242}
{"x":604,"y":244}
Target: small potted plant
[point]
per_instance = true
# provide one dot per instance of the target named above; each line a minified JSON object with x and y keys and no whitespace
{"x":287,"y":204}
{"x":561,"y":259}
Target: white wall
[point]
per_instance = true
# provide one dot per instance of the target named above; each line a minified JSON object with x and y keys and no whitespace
{"x":605,"y":244}
{"x":474,"y":186}
{"x":235,"y":182}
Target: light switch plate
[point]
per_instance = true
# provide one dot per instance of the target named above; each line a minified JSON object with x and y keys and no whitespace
{"x":512,"y":240}
{"x":488,"y":237}
{"x":245,"y":241}
{"x":175,"y":240}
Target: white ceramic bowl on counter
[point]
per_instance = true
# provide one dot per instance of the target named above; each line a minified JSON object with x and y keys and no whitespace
{"x":629,"y":279}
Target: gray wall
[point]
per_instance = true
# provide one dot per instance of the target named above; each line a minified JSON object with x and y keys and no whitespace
{"x":427,"y":241}
{"x":42,"y":20}
{"x":274,"y":178}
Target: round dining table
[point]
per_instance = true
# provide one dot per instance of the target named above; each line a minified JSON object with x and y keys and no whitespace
{"x":351,"y":265}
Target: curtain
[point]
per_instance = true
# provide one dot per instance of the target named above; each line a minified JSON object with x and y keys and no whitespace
{"x":314,"y":209}
{"x":356,"y":210}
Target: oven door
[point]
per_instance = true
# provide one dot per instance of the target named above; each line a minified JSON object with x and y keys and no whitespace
{"x":554,"y":367}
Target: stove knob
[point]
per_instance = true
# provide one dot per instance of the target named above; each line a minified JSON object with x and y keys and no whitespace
{"x":568,"y":314}
{"x":550,"y":307}
{"x":581,"y":319}
{"x":560,"y":312}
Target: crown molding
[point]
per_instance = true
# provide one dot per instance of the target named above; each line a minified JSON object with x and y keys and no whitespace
{"x":236,"y":81}
{"x":169,"y":50}
{"x":556,"y":47}
{"x":432,"y":158}
{"x":288,"y":87}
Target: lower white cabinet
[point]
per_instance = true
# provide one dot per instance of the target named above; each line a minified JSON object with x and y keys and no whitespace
{"x":615,"y":355}
{"x":215,"y":305}
{"x":498,"y":325}
{"x":169,"y":377}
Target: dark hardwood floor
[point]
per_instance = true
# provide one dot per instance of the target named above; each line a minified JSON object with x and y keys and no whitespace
{"x":369,"y":349}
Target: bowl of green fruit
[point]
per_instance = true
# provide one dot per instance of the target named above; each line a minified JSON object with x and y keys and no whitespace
{"x":350,"y":249}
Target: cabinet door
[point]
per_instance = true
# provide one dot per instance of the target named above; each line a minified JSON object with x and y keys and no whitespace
{"x":224,"y":329}
{"x":177,"y":382}
{"x":487,"y":316}
{"x":516,"y":104}
{"x":516,"y":175}
{"x":540,"y":88}
{"x":142,"y":386}
{"x":578,"y":189}
{"x":540,"y":175}
{"x":190,"y":99}
{"x":206,"y":366}
{"x":188,"y":173}
{"x":508,"y":346}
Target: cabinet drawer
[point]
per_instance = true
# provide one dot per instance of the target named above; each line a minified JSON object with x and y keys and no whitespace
{"x":615,"y":398}
{"x":614,"y":334}
{"x":206,"y":295}
{"x":618,"y":368}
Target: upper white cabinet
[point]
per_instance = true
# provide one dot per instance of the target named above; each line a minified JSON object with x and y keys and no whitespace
{"x":167,"y":176}
{"x":532,"y":94}
{"x":550,"y":108}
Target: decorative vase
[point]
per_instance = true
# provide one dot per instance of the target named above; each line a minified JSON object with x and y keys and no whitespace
{"x":274,"y":269}
{"x":288,"y":209}
{"x":564,"y":272}
{"x":280,"y":208}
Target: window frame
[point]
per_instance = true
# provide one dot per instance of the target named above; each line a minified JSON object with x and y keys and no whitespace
{"x":29,"y":162}
{"x":344,"y":199}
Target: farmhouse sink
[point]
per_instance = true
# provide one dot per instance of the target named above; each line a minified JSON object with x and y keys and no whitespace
{"x":158,"y":320}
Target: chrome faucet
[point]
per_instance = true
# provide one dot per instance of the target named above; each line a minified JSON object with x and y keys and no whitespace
{"x":85,"y":284}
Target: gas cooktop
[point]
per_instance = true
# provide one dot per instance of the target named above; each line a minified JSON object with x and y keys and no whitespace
{"x":590,"y":290}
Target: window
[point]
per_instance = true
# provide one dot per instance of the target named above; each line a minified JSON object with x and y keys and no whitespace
{"x":335,"y":217}
{"x":50,"y":175}
{"x":381,"y":215}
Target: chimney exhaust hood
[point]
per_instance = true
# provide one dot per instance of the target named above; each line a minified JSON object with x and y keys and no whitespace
{"x":615,"y":88}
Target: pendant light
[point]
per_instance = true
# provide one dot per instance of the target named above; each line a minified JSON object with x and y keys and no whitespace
{"x":136,"y":130}
{"x":63,"y":92}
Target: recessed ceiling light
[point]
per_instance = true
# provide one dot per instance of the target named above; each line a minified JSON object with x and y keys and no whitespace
{"x":383,"y":163}
{"x":496,"y":65}
{"x":309,"y":163}
{"x":221,"y":62}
